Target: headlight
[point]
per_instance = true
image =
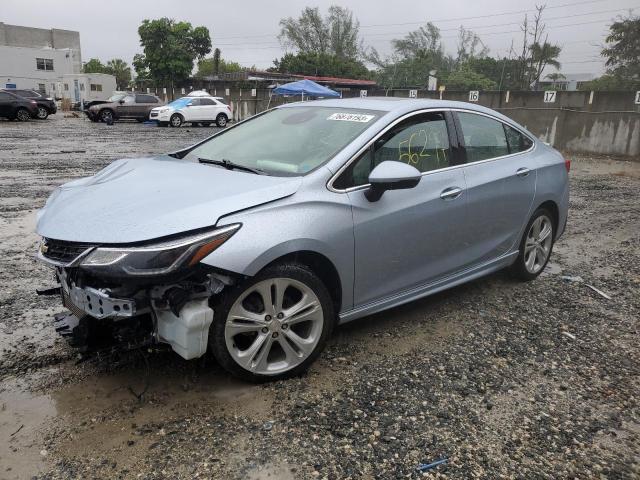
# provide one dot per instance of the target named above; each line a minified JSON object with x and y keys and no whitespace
{"x":157,"y":258}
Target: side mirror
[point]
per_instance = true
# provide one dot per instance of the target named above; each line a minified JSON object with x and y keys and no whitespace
{"x":189,"y":105}
{"x":391,"y":175}
{"x":121,"y":102}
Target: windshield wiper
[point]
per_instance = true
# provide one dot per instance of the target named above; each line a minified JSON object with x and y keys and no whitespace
{"x":229,"y":165}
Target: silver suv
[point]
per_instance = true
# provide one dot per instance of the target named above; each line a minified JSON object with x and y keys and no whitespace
{"x":256,"y":242}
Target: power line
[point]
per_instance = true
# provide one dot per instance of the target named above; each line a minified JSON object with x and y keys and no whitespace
{"x":247,"y":46}
{"x":274,"y":45}
{"x":456,"y":19}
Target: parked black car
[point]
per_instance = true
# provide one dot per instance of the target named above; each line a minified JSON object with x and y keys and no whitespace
{"x":124,"y":105}
{"x":15,"y":107}
{"x":46,"y":105}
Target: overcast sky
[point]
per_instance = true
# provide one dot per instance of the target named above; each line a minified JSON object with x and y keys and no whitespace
{"x":246,"y":31}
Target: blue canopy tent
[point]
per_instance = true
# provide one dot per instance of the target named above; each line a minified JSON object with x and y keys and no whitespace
{"x":304,"y":87}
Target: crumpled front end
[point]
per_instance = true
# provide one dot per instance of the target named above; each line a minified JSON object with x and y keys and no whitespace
{"x":168,"y":303}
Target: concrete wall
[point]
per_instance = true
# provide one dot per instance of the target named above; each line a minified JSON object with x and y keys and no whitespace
{"x":54,"y":38}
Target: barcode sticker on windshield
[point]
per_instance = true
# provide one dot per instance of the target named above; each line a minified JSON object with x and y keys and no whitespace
{"x":351,"y":117}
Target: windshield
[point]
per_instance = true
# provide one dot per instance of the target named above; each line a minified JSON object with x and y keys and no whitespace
{"x":117,"y":97}
{"x":180,"y":102}
{"x":288,"y":141}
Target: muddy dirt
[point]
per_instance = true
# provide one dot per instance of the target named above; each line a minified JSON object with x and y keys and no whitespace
{"x":503,"y":379}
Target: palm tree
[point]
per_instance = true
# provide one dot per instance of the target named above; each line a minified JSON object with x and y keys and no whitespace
{"x":555,"y":77}
{"x":121,"y":70}
{"x":542,"y":55}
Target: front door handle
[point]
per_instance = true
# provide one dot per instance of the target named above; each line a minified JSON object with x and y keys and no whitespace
{"x":450,"y":193}
{"x":523,"y":172}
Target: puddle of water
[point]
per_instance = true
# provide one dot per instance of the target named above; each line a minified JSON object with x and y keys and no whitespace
{"x":271,"y":472}
{"x":22,"y":417}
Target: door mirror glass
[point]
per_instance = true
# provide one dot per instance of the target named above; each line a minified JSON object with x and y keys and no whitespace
{"x":391,"y":175}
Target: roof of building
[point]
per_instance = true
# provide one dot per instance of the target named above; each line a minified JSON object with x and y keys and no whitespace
{"x":339,"y":80}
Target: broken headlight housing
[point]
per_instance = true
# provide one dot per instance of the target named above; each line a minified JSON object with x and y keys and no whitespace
{"x":160,"y":258}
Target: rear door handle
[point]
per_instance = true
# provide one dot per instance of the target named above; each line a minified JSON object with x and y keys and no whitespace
{"x":450,"y":193}
{"x":523,"y":172}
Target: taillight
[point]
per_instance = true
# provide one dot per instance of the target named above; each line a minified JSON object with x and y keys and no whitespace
{"x":567,"y":164}
{"x":228,"y":108}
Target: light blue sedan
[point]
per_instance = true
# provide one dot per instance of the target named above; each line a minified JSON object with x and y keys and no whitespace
{"x":256,"y":242}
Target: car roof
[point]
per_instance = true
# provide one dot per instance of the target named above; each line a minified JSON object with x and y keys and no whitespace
{"x":396,"y":106}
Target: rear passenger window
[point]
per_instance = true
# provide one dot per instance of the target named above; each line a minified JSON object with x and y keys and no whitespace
{"x":421,"y":141}
{"x":146,"y":99}
{"x":516,"y":141}
{"x":207,"y":101}
{"x":483,"y":137}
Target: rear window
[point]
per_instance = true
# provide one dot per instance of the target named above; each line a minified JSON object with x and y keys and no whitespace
{"x":146,"y":99}
{"x":484,"y":137}
{"x":516,"y":141}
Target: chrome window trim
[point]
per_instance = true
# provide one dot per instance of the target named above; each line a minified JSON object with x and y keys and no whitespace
{"x":452,"y":167}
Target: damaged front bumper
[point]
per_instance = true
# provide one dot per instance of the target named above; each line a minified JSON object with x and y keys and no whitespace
{"x":130,"y":316}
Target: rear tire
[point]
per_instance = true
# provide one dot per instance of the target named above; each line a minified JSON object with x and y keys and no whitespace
{"x":23,"y":115}
{"x":176,"y":120}
{"x":535,"y":246}
{"x":221,"y":120}
{"x":247,"y":332}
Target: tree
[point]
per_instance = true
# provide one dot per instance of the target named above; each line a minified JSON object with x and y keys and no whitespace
{"x":121,"y":70}
{"x":623,"y":50}
{"x":208,"y":67}
{"x":116,"y":67}
{"x":464,"y":78}
{"x":170,"y":49}
{"x":542,"y":55}
{"x":470,"y":46}
{"x":94,"y":65}
{"x":322,"y":65}
{"x":216,"y":61}
{"x":335,"y":34}
{"x":415,"y":55}
{"x":423,"y":42}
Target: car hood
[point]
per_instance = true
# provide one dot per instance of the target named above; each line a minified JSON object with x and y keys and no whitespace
{"x":99,"y":105}
{"x":141,"y":199}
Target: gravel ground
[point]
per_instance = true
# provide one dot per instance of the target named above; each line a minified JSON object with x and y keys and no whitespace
{"x":503,"y":379}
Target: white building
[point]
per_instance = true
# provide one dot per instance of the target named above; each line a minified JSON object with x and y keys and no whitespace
{"x":49,"y":61}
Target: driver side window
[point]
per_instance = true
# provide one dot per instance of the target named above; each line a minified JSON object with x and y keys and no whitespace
{"x":421,"y":141}
{"x":129,"y":99}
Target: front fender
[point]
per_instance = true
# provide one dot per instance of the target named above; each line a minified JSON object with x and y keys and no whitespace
{"x":319,"y":222}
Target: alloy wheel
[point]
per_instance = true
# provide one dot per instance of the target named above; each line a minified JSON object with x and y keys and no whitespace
{"x":537,"y":246}
{"x":176,"y":121}
{"x":274,"y":326}
{"x":42,"y":113}
{"x":106,"y":115}
{"x":23,"y":115}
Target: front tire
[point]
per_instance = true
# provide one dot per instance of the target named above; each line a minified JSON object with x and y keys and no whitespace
{"x":221,"y":120}
{"x":42,"y":114}
{"x":176,"y":120}
{"x":536,"y":246}
{"x":106,"y":116}
{"x":272,"y":326}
